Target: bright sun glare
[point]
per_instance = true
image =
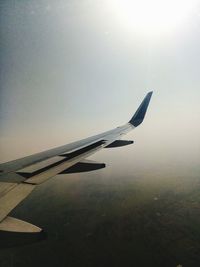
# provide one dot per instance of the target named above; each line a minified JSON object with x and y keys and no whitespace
{"x":152,"y":16}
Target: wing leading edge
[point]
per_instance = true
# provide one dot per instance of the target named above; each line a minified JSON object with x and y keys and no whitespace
{"x":26,"y":173}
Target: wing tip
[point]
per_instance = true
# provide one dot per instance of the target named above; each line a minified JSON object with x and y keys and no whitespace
{"x":139,"y":115}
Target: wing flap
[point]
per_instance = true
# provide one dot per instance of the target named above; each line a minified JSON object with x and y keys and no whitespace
{"x":13,"y":197}
{"x":40,"y":165}
{"x":5,"y":188}
{"x":68,"y":161}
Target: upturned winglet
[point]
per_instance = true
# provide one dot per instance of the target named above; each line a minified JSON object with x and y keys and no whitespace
{"x":139,"y":115}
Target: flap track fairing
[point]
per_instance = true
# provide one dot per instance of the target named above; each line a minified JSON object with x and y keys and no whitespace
{"x":119,"y":143}
{"x":84,"y":166}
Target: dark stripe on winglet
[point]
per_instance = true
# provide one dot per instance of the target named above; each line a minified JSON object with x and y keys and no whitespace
{"x":139,"y":115}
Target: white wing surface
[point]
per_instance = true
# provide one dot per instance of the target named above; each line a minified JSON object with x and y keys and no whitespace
{"x":18,"y":178}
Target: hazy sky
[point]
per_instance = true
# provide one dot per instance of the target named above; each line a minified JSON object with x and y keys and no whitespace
{"x":71,"y":69}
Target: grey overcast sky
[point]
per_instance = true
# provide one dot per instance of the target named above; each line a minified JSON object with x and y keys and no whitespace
{"x":71,"y":69}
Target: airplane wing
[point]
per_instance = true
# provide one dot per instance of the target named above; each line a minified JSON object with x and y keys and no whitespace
{"x":18,"y":178}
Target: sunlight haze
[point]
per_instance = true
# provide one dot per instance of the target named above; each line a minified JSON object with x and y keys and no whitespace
{"x":71,"y":70}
